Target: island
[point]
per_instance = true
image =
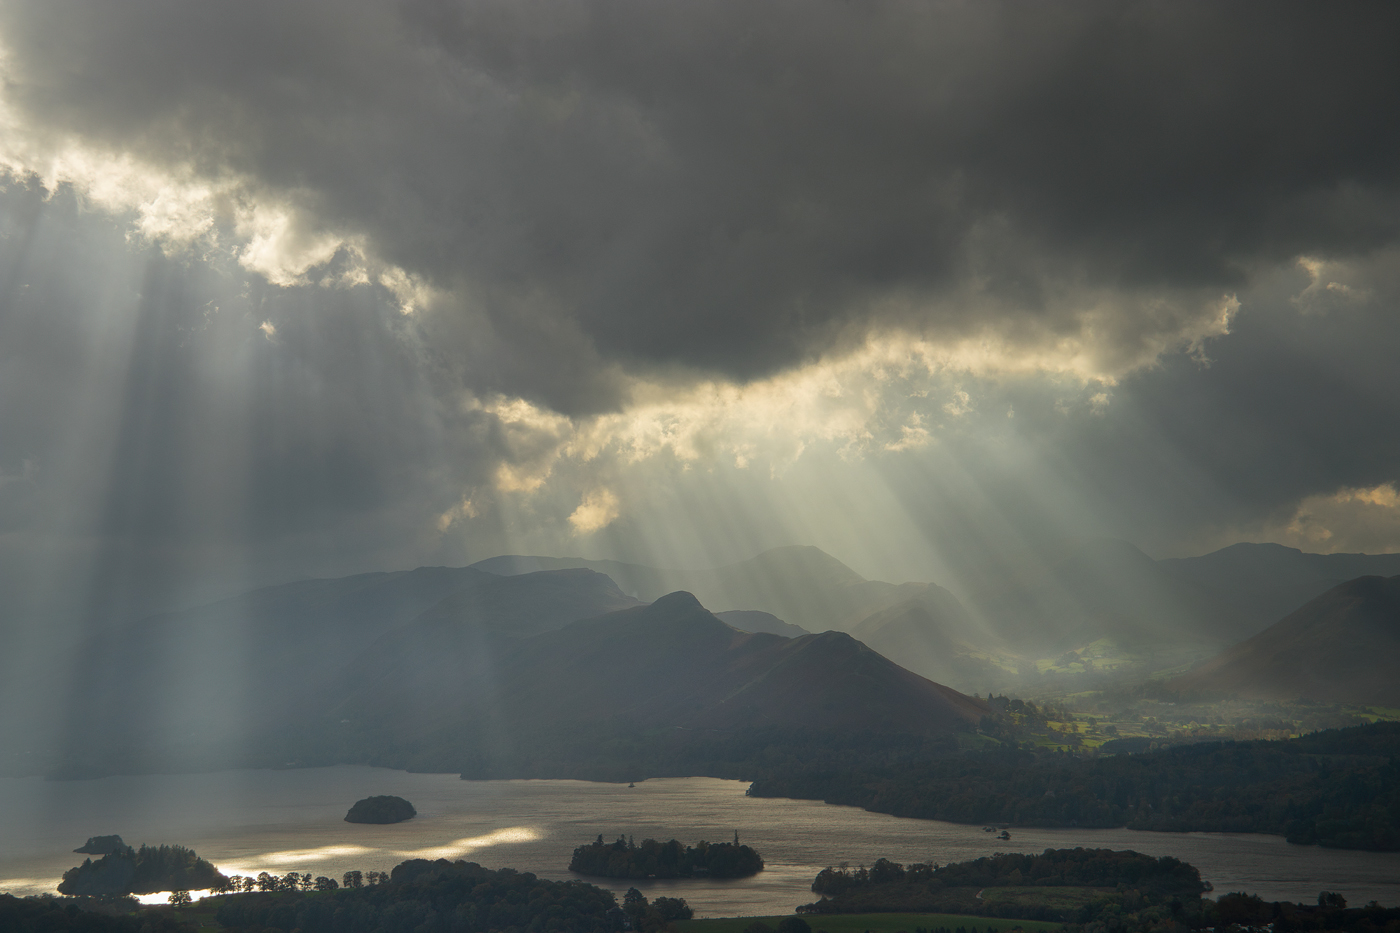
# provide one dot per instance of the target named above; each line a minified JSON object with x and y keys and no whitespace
{"x":103,"y":845}
{"x":382,"y":809}
{"x":146,"y":870}
{"x":1057,"y":886}
{"x":652,"y":859}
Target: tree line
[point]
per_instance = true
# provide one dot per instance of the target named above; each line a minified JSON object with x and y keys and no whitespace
{"x":436,"y":897}
{"x":293,"y":881}
{"x":652,"y":859}
{"x":1339,"y":788}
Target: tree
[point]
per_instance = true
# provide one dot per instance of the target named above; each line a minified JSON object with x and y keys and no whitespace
{"x":325,"y":884}
{"x":266,"y":882}
{"x":674,"y":908}
{"x":304,"y":882}
{"x":354,"y":879}
{"x":181,"y":898}
{"x":634,"y":904}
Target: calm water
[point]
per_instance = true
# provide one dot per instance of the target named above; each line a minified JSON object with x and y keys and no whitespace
{"x":281,"y":821}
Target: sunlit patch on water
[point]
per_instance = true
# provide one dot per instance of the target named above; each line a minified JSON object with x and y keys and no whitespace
{"x":23,"y":887}
{"x":296,"y":857}
{"x":513,"y":834}
{"x":163,"y":897}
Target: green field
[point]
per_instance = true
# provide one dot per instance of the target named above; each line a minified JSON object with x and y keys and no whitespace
{"x":875,"y":923}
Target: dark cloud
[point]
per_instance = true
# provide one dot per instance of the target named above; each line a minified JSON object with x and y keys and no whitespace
{"x":735,"y":186}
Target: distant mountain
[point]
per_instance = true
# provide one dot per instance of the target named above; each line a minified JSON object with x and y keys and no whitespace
{"x":1258,"y":584}
{"x":1097,"y":589}
{"x":670,"y":665}
{"x":934,"y":638}
{"x":675,"y":664}
{"x":200,"y":684}
{"x":531,"y":603}
{"x":636,"y":580}
{"x":751,"y":620}
{"x":537,"y":673}
{"x":1090,"y":613}
{"x":1342,"y":647}
{"x":804,"y":586}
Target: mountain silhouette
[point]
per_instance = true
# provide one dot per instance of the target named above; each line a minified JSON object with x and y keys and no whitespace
{"x":1255,"y":585}
{"x":159,"y":692}
{"x":753,"y":620}
{"x":670,"y":664}
{"x":934,"y":638}
{"x":1342,"y":647}
{"x":801,"y":585}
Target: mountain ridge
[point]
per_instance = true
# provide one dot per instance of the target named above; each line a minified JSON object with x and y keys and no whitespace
{"x":1341,"y":647}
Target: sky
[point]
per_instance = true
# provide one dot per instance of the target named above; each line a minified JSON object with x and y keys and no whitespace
{"x":312,"y":289}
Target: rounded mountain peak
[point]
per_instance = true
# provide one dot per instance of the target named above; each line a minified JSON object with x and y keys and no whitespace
{"x":679,"y":601}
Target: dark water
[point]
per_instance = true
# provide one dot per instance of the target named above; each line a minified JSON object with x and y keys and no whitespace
{"x":281,"y":821}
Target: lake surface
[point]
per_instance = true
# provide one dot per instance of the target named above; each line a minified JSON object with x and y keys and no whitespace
{"x":282,"y":821}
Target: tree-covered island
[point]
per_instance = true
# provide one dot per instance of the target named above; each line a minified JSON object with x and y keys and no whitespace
{"x":102,"y":845}
{"x":146,"y":870}
{"x":652,"y":859}
{"x":385,"y":808}
{"x":1066,"y":885}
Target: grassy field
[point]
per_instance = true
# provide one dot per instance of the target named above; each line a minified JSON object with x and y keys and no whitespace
{"x":875,"y":923}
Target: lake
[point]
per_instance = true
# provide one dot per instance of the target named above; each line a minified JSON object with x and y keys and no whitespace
{"x":281,"y":821}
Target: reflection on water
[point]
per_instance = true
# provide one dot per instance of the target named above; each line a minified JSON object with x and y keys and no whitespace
{"x":246,"y":822}
{"x":464,"y":847}
{"x":297,"y":857}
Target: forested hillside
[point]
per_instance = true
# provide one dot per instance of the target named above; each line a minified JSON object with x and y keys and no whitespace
{"x":1339,"y":788}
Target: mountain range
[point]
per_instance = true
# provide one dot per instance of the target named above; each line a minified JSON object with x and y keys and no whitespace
{"x":459,"y":668}
{"x":1085,"y":614}
{"x":670,"y":666}
{"x":482,"y":666}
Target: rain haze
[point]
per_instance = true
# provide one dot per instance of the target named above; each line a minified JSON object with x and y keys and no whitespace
{"x":948,"y":291}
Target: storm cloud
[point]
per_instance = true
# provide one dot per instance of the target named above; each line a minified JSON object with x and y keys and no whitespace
{"x":736,"y":187}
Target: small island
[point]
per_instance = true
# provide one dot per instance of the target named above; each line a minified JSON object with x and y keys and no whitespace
{"x":382,"y":809}
{"x":652,"y":859}
{"x":103,"y":845}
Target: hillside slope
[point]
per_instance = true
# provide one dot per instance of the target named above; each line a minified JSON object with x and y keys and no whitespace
{"x":1342,"y":647}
